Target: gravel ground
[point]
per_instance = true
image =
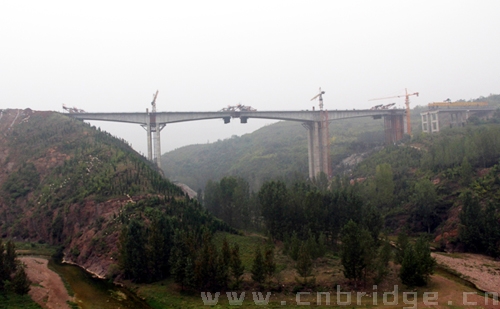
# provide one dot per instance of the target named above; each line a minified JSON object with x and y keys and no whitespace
{"x":47,"y":288}
{"x":481,"y":270}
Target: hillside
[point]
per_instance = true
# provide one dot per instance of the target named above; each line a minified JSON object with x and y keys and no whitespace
{"x":66,"y":183}
{"x":280,"y":150}
{"x":277,"y":150}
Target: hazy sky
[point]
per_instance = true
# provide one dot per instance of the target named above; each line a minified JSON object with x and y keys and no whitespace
{"x":104,"y":56}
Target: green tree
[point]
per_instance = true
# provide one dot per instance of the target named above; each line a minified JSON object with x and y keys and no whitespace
{"x":229,"y":211}
{"x":491,"y":231}
{"x":356,"y":251}
{"x":133,"y":254}
{"x":384,"y":185}
{"x":10,"y":257}
{"x":471,"y":223}
{"x":294,"y":246}
{"x":304,"y":264}
{"x":401,"y":244}
{"x":182,"y":266}
{"x":466,"y":171}
{"x":237,"y":267}
{"x":4,"y":274}
{"x":273,"y":197}
{"x":159,"y":245}
{"x":226,"y":252}
{"x":425,"y":198}
{"x":384,"y":256}
{"x":20,"y":282}
{"x":418,"y":264}
{"x":269,"y":263}
{"x":258,"y":268}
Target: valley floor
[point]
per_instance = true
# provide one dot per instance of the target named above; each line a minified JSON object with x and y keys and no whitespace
{"x":49,"y":291}
{"x":47,"y":287}
{"x":480,"y":270}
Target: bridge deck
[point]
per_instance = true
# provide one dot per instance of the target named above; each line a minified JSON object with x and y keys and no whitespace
{"x":173,"y":117}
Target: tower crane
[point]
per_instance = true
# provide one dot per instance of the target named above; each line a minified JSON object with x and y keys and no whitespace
{"x":153,"y":104}
{"x":320,"y":96}
{"x":407,"y":103}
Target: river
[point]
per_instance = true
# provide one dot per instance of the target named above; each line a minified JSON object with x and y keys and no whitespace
{"x":93,"y":293}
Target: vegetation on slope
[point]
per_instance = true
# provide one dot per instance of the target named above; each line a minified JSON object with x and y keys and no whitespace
{"x":278,"y":150}
{"x":64,"y":182}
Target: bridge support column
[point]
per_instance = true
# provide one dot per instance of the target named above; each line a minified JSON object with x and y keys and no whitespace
{"x":325,"y":145}
{"x":153,"y":130}
{"x":316,"y":149}
{"x":148,"y":132}
{"x":157,"y":141}
{"x":317,"y":146}
{"x":394,"y":128}
{"x":310,"y":146}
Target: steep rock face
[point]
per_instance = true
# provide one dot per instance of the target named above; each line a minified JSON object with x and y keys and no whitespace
{"x":65,"y":183}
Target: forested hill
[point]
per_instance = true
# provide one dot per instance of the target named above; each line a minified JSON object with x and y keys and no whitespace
{"x":277,"y":150}
{"x":280,"y":150}
{"x":67,"y":183}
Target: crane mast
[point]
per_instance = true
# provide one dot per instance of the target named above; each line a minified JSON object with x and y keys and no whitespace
{"x":407,"y":103}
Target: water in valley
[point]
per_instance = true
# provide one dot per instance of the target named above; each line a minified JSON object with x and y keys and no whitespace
{"x":93,"y":293}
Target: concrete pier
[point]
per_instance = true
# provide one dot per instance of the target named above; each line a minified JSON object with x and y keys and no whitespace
{"x":316,"y":122}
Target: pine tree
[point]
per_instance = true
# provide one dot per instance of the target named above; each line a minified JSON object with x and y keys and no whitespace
{"x":294,"y":246}
{"x":237,"y":267}
{"x":4,"y":275}
{"x":269,"y":263}
{"x":178,"y":262}
{"x":20,"y":282}
{"x":409,"y":267}
{"x":382,"y":263}
{"x":304,"y":264}
{"x":189,"y":275}
{"x":159,"y":245}
{"x":133,"y":254}
{"x":356,"y":251}
{"x":226,"y":252}
{"x":417,"y":265}
{"x":10,"y":257}
{"x":222,"y":275}
{"x":312,"y":246}
{"x":471,"y":229}
{"x":321,"y":245}
{"x":401,"y":244}
{"x":492,"y":231}
{"x":258,"y":269}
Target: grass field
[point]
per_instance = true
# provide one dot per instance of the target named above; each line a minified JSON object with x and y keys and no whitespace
{"x":31,"y":248}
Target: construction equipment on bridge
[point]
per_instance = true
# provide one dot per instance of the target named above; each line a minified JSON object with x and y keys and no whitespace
{"x":407,"y":103}
{"x":240,"y":107}
{"x":320,"y":96}
{"x":73,"y":109}
{"x":449,"y":104}
{"x":153,"y":103}
{"x":382,"y":106}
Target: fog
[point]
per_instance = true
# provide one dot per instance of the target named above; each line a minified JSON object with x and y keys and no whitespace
{"x":106,"y":56}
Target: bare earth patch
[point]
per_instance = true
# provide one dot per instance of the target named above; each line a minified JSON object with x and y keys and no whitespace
{"x":482,"y":271}
{"x":47,"y":287}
